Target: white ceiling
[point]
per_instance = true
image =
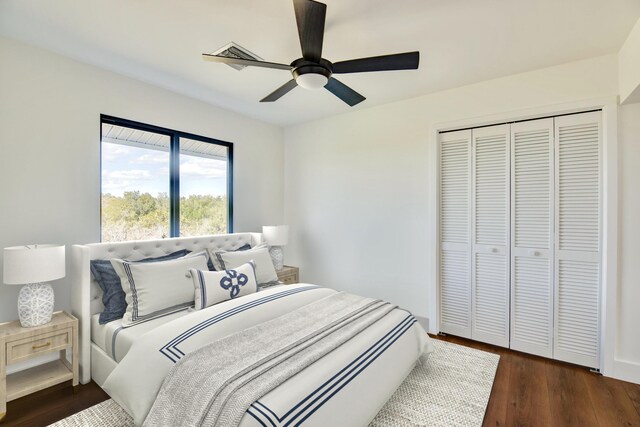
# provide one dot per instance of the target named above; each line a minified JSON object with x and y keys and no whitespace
{"x":460,"y":42}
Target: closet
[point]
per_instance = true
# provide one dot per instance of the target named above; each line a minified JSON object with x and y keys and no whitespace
{"x":519,"y":242}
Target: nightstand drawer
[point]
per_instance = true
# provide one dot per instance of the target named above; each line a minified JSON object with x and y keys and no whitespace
{"x":289,"y":275}
{"x":289,"y":279}
{"x":27,"y":347}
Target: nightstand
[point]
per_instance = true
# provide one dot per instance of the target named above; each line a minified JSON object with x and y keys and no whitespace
{"x":289,"y":275}
{"x":18,"y":344}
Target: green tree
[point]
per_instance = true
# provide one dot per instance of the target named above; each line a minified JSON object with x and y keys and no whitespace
{"x":139,"y":216}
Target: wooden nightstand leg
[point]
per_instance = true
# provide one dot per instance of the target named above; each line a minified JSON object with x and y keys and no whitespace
{"x":75,"y":358}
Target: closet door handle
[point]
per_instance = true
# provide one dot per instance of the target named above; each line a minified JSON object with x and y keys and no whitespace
{"x":494,"y":250}
{"x":534,"y":253}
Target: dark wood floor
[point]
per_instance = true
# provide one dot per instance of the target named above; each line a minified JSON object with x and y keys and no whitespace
{"x":528,"y":391}
{"x":533,"y":391}
{"x":52,"y":404}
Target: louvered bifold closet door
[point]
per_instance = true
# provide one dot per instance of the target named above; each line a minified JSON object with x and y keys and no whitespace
{"x":578,"y":243}
{"x":531,"y":237}
{"x":490,"y":235}
{"x":454,"y":264}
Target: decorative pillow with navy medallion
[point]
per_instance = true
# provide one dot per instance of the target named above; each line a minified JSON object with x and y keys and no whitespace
{"x":213,"y":287}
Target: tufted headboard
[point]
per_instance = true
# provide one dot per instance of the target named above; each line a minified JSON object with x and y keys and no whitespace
{"x":86,"y":296}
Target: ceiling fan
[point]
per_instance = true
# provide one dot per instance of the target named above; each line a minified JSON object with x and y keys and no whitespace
{"x":312,"y":71}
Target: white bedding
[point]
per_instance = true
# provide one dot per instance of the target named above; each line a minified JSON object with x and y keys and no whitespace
{"x":329,"y":392}
{"x":115,"y":340}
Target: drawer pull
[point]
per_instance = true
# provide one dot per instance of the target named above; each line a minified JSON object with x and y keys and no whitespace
{"x":35,"y":347}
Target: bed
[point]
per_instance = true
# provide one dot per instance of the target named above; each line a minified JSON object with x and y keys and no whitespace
{"x":132,"y":363}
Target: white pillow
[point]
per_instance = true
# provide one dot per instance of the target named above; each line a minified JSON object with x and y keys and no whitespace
{"x":265,"y":272}
{"x":154,"y":289}
{"x":212,"y":287}
{"x":217,"y":261}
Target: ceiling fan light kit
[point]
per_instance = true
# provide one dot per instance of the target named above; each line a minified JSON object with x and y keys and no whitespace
{"x":314,"y":72}
{"x":312,"y":81}
{"x":311,"y":75}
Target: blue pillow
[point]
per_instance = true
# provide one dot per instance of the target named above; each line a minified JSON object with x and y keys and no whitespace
{"x":112,"y":294}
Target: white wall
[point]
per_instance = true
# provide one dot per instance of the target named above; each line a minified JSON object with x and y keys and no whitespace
{"x":357,"y":186}
{"x":50,"y":110}
{"x":629,"y":67}
{"x":629,"y":243}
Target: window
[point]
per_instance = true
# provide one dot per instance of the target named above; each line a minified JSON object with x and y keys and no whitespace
{"x":159,"y":183}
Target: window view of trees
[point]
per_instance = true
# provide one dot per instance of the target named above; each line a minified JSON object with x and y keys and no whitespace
{"x":136,"y":171}
{"x":202,"y":215}
{"x":203,"y":187}
{"x":134,"y":216}
{"x":140,"y":216}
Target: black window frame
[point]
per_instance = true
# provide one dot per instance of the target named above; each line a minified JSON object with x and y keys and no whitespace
{"x":174,"y":167}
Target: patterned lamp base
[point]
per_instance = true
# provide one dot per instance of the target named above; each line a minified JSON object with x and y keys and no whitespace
{"x":277,"y":256}
{"x":35,"y":304}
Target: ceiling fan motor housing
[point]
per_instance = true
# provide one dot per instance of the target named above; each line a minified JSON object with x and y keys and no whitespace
{"x":311,"y":75}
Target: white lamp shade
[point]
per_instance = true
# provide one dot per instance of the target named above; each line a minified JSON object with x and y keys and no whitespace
{"x":33,"y":264}
{"x":276,"y":235}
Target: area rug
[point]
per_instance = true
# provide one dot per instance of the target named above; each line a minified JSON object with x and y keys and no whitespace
{"x":449,"y":388}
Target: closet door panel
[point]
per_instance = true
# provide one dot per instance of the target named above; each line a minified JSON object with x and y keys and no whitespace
{"x":531,"y":237}
{"x":578,"y":240}
{"x":455,"y":262}
{"x":531,"y":305}
{"x":490,"y":235}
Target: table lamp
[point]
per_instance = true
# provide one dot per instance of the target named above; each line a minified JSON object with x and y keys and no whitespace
{"x":32,"y":266}
{"x":276,"y":237}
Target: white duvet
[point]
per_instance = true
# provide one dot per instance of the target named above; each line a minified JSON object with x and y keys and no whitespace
{"x":347,"y":387}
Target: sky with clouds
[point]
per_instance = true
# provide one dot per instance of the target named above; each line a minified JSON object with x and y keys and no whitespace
{"x":126,"y":168}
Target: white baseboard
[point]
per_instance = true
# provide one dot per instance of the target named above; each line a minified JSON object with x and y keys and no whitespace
{"x":626,"y":371}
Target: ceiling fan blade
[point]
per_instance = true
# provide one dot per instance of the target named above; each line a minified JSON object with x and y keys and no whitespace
{"x":310,"y":17}
{"x":278,"y":93}
{"x":245,"y":62}
{"x":398,"y":61}
{"x":344,"y":92}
